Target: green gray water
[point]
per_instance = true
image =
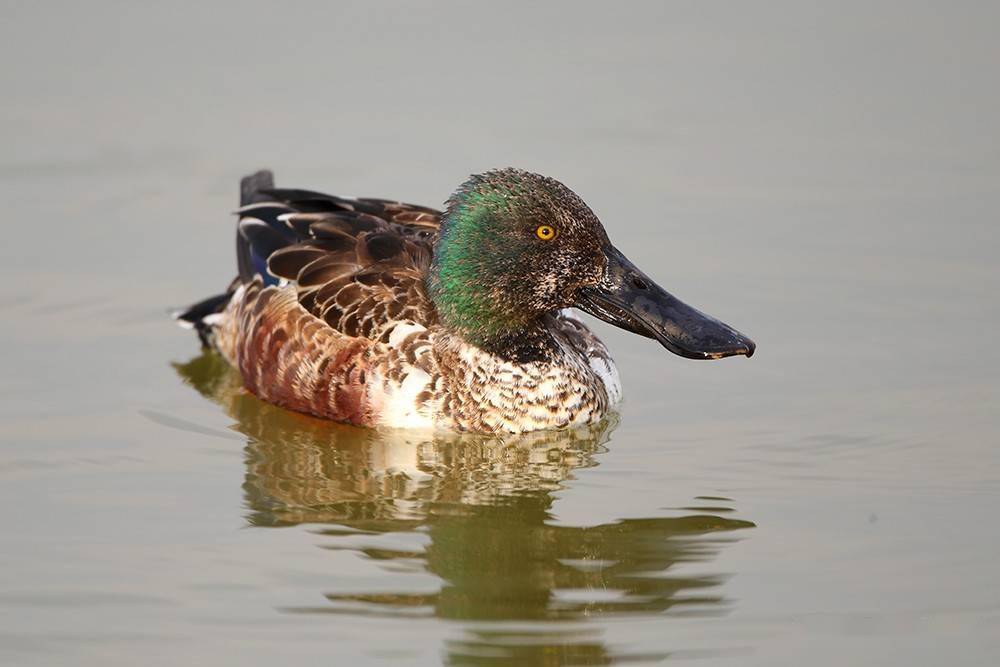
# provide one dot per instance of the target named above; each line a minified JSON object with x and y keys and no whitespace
{"x":824,"y":177}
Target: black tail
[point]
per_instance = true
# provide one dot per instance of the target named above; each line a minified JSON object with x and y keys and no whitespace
{"x":253,"y":187}
{"x":199,"y":316}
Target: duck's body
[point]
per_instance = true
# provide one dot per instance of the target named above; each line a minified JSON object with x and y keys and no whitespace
{"x":377,"y":313}
{"x":410,"y":374}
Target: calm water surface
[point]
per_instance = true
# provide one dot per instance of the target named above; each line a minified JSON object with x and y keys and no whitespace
{"x":826,"y":178}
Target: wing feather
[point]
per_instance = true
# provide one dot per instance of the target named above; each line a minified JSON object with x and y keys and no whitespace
{"x":358,"y":265}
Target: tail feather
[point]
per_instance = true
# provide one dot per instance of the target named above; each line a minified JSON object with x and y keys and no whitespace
{"x":253,"y":187}
{"x":199,"y":316}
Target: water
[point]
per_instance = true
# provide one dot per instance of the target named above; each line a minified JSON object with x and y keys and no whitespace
{"x":825,"y":178}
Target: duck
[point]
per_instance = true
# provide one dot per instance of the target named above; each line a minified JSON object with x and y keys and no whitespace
{"x":383,"y":314}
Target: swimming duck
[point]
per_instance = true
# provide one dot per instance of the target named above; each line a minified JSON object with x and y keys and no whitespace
{"x":379,"y":313}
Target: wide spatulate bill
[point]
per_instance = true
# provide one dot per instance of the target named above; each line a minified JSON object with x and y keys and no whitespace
{"x":629,"y":299}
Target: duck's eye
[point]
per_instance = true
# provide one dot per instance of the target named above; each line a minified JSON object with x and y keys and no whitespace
{"x":545,"y":232}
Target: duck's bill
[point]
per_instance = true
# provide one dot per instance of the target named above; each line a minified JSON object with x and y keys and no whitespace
{"x":628,"y":299}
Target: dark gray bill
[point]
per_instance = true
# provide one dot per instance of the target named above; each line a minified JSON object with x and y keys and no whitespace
{"x":627,"y":298}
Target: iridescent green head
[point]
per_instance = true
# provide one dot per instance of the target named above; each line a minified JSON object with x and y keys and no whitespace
{"x":515,"y":246}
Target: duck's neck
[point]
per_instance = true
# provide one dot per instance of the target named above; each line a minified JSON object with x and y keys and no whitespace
{"x":477,"y":312}
{"x":535,"y":346}
{"x":478,"y":317}
{"x":469,"y":282}
{"x":532,"y":343}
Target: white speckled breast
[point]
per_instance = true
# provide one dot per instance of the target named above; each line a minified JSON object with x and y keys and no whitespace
{"x":460,"y":386}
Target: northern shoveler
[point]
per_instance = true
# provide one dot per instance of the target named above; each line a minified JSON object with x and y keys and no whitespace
{"x":379,"y":313}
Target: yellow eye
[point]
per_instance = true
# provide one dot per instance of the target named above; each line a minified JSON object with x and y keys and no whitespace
{"x":545,"y":232}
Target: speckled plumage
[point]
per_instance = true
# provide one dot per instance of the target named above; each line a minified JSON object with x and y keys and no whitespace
{"x":341,"y":325}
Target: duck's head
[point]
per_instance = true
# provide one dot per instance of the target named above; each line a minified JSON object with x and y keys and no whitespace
{"x":515,"y":246}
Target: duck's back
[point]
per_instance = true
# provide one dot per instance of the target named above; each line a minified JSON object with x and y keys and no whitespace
{"x":330,"y":316}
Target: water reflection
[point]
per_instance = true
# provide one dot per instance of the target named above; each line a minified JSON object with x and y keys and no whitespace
{"x":476,"y":512}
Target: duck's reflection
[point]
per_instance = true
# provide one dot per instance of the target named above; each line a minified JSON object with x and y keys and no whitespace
{"x":478,"y":510}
